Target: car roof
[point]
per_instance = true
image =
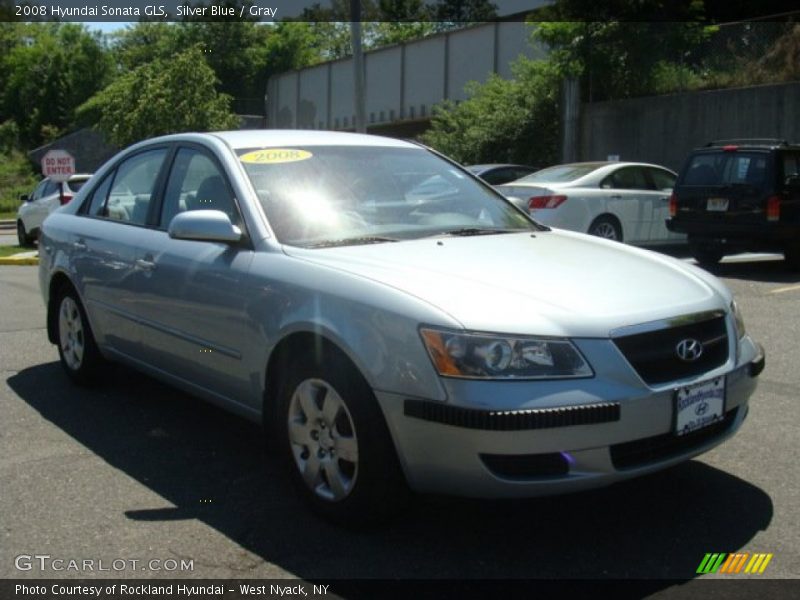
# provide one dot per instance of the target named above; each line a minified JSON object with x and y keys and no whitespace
{"x":255,"y":138}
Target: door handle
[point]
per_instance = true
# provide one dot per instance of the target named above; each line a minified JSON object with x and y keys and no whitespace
{"x":144,"y":265}
{"x":79,"y":245}
{"x":615,"y":197}
{"x":664,"y":199}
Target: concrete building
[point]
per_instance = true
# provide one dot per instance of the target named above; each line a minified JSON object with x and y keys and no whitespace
{"x":403,"y":82}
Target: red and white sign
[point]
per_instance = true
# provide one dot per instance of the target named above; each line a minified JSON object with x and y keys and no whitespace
{"x":58,"y":165}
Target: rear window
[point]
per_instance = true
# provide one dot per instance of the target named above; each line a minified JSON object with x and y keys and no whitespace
{"x":76,"y":184}
{"x":727,"y":168}
{"x":560,"y":174}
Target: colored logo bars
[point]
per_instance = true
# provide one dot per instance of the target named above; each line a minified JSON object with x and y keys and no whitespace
{"x":734,"y":563}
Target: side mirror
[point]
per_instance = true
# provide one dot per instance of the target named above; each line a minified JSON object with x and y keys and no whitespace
{"x":24,"y":198}
{"x":204,"y":226}
{"x":793,"y":181}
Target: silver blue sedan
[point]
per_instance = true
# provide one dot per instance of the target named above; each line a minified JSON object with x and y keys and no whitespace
{"x":393,"y":321}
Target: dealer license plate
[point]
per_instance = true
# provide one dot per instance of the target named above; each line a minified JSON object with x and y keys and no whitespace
{"x":717,"y":204}
{"x":699,"y":405}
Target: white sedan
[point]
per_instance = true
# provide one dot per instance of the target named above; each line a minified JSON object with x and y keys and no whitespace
{"x":622,"y":201}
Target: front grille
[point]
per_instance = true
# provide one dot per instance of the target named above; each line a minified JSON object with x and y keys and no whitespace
{"x":653,"y":354}
{"x":638,"y":453}
{"x":526,"y":466}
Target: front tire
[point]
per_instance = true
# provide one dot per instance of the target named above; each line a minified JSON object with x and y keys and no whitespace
{"x":335,"y":444}
{"x":77,"y":348}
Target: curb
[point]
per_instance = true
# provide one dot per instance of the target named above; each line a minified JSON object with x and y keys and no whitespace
{"x":21,"y":259}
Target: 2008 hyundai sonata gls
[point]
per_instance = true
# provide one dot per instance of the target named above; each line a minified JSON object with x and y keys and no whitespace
{"x":393,"y":320}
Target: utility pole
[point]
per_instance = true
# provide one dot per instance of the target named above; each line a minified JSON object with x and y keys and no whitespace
{"x":358,"y":67}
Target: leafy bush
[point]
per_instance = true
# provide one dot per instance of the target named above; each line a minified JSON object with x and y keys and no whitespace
{"x":16,"y":177}
{"x":514,"y":120}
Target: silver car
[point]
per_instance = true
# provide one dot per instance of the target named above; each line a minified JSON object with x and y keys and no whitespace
{"x":393,"y":321}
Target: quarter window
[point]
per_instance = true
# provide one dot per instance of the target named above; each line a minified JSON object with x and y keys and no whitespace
{"x":99,"y":195}
{"x":663,"y":180}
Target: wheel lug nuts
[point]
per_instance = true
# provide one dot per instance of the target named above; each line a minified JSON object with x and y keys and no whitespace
{"x":321,"y":453}
{"x":314,"y":435}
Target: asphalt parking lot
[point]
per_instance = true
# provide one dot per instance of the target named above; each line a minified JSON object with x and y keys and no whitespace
{"x":134,"y":470}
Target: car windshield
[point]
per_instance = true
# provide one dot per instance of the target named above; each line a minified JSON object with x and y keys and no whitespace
{"x":341,"y":195}
{"x":559,"y":174}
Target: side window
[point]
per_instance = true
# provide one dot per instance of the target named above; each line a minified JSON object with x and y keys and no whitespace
{"x":51,"y":188}
{"x":196,"y":183}
{"x":628,"y":178}
{"x":99,"y":195}
{"x":132,"y":191}
{"x":663,"y":180}
{"x":39,"y":191}
{"x":791,"y":166}
{"x":498,"y":176}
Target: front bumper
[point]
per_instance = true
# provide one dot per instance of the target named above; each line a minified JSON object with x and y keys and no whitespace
{"x":574,"y":435}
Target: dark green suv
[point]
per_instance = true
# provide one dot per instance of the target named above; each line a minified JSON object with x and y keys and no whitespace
{"x":739,"y":196}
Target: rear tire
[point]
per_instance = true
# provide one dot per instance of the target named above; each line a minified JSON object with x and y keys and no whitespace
{"x":708,"y":254}
{"x":791,"y":256}
{"x":77,"y":348}
{"x":23,"y":239}
{"x":335,"y":444}
{"x":607,"y":228}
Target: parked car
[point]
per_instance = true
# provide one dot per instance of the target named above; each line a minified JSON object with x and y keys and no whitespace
{"x":622,"y":201}
{"x":738,"y":196}
{"x":497,"y":174}
{"x":387,"y":339}
{"x":44,"y":199}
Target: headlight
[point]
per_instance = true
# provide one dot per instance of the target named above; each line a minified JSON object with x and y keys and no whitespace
{"x":480,"y":356}
{"x":738,"y":321}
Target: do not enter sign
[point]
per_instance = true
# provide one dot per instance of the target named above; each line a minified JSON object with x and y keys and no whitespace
{"x":58,"y":165}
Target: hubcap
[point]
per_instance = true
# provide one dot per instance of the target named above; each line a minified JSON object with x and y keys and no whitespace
{"x":605,"y":230}
{"x":323,"y":439}
{"x":70,"y":333}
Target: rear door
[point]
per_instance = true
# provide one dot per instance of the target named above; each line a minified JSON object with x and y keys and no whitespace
{"x":628,"y":197}
{"x":104,"y":247}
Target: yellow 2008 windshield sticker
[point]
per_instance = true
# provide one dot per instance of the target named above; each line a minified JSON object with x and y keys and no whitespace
{"x":271,"y":156}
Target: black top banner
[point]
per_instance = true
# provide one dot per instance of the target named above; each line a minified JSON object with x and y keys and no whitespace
{"x":458,"y":11}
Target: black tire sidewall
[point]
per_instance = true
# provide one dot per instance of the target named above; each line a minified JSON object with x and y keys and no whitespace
{"x":22,"y":235}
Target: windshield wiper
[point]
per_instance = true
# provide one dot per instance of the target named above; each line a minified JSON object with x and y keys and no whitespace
{"x":353,"y":241}
{"x":468,"y":231}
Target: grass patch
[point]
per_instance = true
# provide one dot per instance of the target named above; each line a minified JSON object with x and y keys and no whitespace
{"x":8,"y":214}
{"x":12,"y":250}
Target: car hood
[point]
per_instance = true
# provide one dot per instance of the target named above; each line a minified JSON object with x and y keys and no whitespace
{"x":547,"y":283}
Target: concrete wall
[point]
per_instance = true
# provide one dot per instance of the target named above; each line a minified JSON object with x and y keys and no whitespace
{"x":403,"y":82}
{"x":663,"y":129}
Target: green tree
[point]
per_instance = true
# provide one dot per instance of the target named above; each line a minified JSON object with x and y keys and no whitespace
{"x":502,"y":120}
{"x":160,"y":97}
{"x":620,"y":49}
{"x":47,"y":71}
